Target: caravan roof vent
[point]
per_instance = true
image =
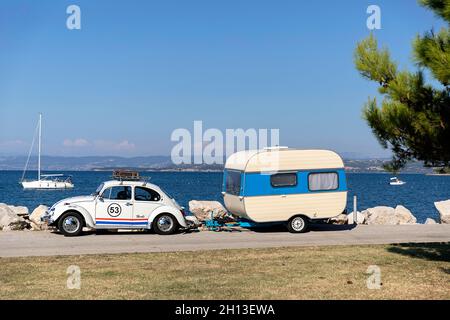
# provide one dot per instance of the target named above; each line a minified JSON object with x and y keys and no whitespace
{"x":275,"y":148}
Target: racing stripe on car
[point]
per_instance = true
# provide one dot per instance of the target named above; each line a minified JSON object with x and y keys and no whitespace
{"x":121,"y":221}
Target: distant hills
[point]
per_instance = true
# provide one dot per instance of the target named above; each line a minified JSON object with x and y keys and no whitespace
{"x":163,"y":163}
{"x":375,"y":166}
{"x":99,"y":163}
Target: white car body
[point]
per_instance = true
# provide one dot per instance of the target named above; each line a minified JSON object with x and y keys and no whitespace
{"x":101,"y":212}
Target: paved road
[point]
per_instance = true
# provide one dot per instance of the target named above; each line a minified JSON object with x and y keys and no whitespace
{"x":16,"y":244}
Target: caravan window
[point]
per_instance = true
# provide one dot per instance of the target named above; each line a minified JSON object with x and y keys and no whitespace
{"x":283,"y":180}
{"x":323,"y":181}
{"x":233,"y":183}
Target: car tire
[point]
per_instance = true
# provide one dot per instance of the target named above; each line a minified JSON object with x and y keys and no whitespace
{"x":165,"y":224}
{"x":71,"y":224}
{"x":297,"y":224}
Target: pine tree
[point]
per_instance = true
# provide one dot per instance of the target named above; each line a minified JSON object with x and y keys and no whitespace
{"x":413,"y":120}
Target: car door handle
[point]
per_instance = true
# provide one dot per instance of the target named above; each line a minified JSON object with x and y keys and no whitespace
{"x":128,"y":204}
{"x":140,"y":216}
{"x":283,"y":196}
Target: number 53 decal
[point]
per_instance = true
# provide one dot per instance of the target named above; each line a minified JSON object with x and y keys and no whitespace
{"x":114,"y":210}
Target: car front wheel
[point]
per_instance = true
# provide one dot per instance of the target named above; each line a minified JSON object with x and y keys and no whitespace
{"x":298,"y":224}
{"x":71,"y":224}
{"x":165,"y":224}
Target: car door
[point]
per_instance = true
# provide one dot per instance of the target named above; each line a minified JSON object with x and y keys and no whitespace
{"x":114,"y":208}
{"x":146,"y":200}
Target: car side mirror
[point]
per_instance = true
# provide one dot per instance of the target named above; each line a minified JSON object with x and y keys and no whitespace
{"x":100,"y":198}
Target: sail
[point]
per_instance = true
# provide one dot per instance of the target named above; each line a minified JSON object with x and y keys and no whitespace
{"x":36,"y":133}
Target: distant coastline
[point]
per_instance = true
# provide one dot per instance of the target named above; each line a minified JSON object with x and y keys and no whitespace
{"x":164,"y":164}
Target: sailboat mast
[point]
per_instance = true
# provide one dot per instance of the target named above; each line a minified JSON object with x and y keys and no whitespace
{"x":39,"y":148}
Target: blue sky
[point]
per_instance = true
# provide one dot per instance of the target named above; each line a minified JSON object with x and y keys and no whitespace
{"x":137,"y":70}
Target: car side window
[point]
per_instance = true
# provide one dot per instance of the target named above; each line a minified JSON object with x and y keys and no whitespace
{"x":117,"y":193}
{"x":145,"y":194}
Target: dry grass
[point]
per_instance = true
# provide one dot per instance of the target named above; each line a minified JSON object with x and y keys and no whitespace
{"x":408,"y":272}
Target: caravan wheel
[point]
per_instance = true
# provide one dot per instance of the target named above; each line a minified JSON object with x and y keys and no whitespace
{"x":297,"y":224}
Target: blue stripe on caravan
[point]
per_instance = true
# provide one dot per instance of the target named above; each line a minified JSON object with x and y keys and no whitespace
{"x":257,"y":184}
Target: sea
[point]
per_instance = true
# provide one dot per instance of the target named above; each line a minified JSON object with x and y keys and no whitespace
{"x":371,"y":189}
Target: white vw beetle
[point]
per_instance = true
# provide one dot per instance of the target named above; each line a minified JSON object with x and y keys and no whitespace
{"x":118,"y":205}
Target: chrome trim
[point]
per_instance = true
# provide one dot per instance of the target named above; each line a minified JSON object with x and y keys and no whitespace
{"x":47,"y":217}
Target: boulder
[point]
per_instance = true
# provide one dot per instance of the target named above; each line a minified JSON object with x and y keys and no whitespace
{"x":36,"y":227}
{"x":404,"y":215}
{"x":19,"y":210}
{"x":202,"y":209}
{"x":340,"y":219}
{"x":388,"y":216}
{"x":10,"y":220}
{"x":35,"y":218}
{"x":430,"y":221}
{"x":379,"y":215}
{"x":444,"y":211}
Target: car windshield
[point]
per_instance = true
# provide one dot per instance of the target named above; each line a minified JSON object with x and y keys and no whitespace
{"x":99,"y":188}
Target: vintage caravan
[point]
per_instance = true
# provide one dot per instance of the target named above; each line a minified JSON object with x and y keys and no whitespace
{"x":285,"y":185}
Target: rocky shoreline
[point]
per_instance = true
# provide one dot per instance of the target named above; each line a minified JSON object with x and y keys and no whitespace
{"x":380,"y":215}
{"x":16,"y":218}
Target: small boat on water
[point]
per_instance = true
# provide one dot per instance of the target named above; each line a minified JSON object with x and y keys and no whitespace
{"x":49,"y":181}
{"x":396,"y":182}
{"x":44,"y":181}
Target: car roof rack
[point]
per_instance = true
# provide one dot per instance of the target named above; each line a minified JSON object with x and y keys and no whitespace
{"x":127,"y":175}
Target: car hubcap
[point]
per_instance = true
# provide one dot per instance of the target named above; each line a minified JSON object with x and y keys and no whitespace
{"x":298,"y":224}
{"x":71,"y":224}
{"x":165,"y":223}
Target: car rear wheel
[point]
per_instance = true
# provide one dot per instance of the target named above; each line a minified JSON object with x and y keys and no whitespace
{"x":71,"y":224}
{"x":165,"y":224}
{"x":298,"y":224}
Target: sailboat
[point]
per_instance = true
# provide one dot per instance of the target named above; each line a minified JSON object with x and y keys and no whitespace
{"x":44,"y":181}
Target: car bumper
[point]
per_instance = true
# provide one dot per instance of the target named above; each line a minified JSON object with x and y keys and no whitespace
{"x":192,"y":222}
{"x":47,"y":218}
